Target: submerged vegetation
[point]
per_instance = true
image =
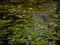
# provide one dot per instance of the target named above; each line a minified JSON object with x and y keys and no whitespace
{"x":29,"y":22}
